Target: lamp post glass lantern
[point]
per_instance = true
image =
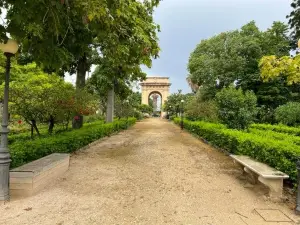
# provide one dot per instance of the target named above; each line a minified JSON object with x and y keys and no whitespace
{"x":9,"y":49}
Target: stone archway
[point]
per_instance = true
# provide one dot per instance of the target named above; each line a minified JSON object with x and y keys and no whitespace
{"x":160,"y":85}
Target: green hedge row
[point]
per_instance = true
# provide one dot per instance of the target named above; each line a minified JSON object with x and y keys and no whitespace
{"x":24,"y":136}
{"x":276,"y":135}
{"x":26,"y":151}
{"x":278,"y":128}
{"x":279,"y":154}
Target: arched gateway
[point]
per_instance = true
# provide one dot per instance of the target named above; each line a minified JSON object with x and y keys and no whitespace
{"x":158,"y":85}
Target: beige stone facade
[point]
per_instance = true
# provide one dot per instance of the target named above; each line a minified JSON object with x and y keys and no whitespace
{"x":159,"y":85}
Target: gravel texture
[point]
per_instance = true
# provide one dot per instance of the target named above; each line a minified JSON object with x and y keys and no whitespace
{"x":152,"y":173}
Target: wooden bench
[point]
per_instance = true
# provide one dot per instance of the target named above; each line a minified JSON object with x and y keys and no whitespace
{"x":30,"y":178}
{"x":267,"y":175}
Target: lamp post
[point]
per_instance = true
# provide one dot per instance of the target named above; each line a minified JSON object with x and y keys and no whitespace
{"x":9,"y":48}
{"x":297,"y":210}
{"x":181,"y":123}
{"x":127,"y":107}
{"x":169,"y":112}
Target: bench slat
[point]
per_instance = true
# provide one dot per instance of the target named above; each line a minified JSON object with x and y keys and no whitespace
{"x":38,"y":166}
{"x":259,"y":168}
{"x":30,"y":178}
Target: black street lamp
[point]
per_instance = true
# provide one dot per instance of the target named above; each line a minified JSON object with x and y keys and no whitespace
{"x":127,"y":111}
{"x":181,"y":123}
{"x":9,"y":48}
{"x":297,"y":210}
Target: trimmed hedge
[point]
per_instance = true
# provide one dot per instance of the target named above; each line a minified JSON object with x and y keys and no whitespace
{"x":24,"y":136}
{"x":278,"y":128}
{"x":26,"y":151}
{"x":276,"y":135}
{"x":279,"y":154}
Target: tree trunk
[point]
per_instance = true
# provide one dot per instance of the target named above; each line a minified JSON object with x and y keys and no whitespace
{"x":51,"y":124}
{"x":68,"y":121}
{"x":31,"y":131}
{"x":110,"y":106}
{"x":33,"y":122}
{"x":82,"y":68}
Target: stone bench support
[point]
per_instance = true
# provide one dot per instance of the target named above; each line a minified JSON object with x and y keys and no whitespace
{"x":33,"y":177}
{"x":267,"y":175}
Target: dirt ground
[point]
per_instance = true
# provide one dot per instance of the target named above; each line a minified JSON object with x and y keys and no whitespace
{"x":152,"y":173}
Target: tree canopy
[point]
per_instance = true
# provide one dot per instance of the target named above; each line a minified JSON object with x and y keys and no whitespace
{"x":233,"y":56}
{"x":294,"y":22}
{"x":40,"y":98}
{"x":173,"y":105}
{"x":71,"y":35}
{"x":273,"y":67}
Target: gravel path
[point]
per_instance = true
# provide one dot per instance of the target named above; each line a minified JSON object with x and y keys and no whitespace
{"x":150,"y":174}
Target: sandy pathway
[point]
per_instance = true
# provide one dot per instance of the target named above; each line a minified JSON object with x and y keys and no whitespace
{"x":150,"y":174}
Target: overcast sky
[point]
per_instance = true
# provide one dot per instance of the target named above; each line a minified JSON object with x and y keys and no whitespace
{"x":184,"y":23}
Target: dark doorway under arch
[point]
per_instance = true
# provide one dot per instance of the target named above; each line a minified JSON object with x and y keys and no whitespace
{"x":155,"y":101}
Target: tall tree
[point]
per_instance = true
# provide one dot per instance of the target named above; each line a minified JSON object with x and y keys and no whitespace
{"x":61,"y":35}
{"x":173,"y":104}
{"x":294,"y":22}
{"x":102,"y":81}
{"x":40,"y":98}
{"x":72,"y":35}
{"x":233,"y":56}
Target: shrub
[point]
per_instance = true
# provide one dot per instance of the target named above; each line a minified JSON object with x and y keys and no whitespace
{"x":288,"y":114}
{"x":138,"y":115}
{"x":266,"y":115}
{"x":93,"y":118}
{"x":145,"y":108}
{"x":198,"y":109}
{"x":236,"y":109}
{"x":279,"y":154}
{"x":26,"y":151}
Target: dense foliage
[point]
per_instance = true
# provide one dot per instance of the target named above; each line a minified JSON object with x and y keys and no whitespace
{"x":288,"y":114}
{"x":233,"y":57}
{"x":236,"y":109}
{"x":294,"y":21}
{"x":174,"y":105}
{"x":146,"y":109}
{"x":72,"y":35}
{"x":40,"y":98}
{"x":273,"y":67}
{"x":199,"y":109}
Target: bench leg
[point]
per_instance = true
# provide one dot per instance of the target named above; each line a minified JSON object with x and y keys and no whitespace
{"x":252,"y":177}
{"x":248,"y":174}
{"x":275,"y":185}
